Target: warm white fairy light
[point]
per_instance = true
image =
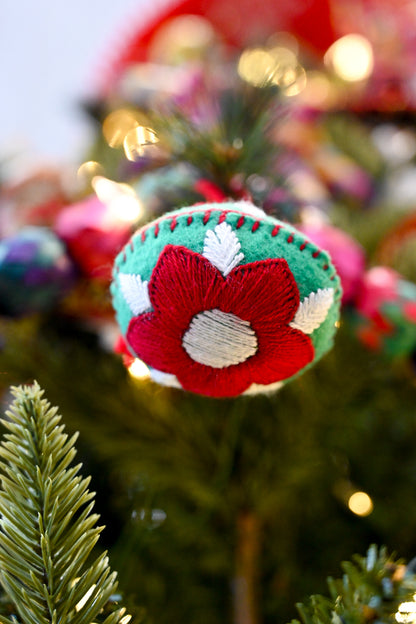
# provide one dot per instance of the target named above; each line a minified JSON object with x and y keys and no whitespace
{"x":360,"y":503}
{"x":88,"y":170}
{"x":138,"y":369}
{"x":138,"y":142}
{"x":256,"y":66}
{"x":117,"y":124}
{"x":121,"y":199}
{"x":351,"y":58}
{"x":406,"y":612}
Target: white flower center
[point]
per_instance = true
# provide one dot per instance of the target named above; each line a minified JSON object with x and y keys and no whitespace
{"x":219,"y":339}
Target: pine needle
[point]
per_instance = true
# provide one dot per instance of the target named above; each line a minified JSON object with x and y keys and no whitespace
{"x":47,"y":529}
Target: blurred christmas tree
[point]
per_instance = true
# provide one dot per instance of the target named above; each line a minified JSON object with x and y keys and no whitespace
{"x":232,"y":510}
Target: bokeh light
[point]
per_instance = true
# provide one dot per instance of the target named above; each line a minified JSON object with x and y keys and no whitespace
{"x":117,"y":124}
{"x":139,"y":142}
{"x":138,"y":369}
{"x":121,"y":199}
{"x":406,"y":613}
{"x":360,"y":504}
{"x":351,"y":58}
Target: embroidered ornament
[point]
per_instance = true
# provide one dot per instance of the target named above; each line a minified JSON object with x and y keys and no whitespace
{"x":223,"y":300}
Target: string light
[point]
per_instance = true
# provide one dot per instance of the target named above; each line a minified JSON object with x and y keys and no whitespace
{"x":121,"y":199}
{"x":117,"y":124}
{"x":138,"y":142}
{"x":256,"y":66}
{"x":351,"y":58}
{"x":360,"y":503}
{"x":406,"y":612}
{"x":294,"y":81}
{"x":88,"y":170}
{"x":138,"y":369}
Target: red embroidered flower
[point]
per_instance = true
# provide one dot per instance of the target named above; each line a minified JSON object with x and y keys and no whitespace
{"x":218,"y":334}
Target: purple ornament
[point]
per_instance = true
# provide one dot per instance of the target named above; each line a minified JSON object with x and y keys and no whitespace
{"x":35,"y":272}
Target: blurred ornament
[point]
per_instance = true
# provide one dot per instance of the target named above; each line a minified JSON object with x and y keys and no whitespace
{"x":183,"y":39}
{"x":386,"y":312}
{"x":33,"y":200}
{"x":94,"y":234}
{"x":191,"y":28}
{"x":222,"y":300}
{"x":35,"y":272}
{"x":397,"y":248}
{"x":168,"y":187}
{"x":346,"y":254}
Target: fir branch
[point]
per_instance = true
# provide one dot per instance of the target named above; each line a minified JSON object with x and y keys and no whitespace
{"x":374,"y":588}
{"x":47,"y":528}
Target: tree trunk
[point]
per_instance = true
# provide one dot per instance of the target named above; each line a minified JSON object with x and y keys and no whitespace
{"x":245,"y":585}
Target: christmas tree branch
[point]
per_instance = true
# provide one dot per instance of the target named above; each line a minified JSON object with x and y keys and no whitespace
{"x":47,"y":528}
{"x":374,"y":588}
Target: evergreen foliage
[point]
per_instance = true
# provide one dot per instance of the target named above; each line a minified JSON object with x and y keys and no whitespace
{"x":47,"y":528}
{"x":375,"y":588}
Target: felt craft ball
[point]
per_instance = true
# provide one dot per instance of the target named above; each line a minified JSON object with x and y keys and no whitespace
{"x":35,"y":271}
{"x":221,"y":300}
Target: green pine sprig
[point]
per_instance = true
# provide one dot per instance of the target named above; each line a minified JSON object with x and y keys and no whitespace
{"x":374,"y":588}
{"x":47,"y":528}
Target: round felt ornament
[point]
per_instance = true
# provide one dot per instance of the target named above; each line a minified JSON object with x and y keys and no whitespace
{"x":221,"y":300}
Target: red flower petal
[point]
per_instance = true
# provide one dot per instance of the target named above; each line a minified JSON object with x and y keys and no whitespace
{"x":280,"y":354}
{"x":154,"y":342}
{"x":163,"y":351}
{"x":214,"y":382}
{"x":264,"y":291}
{"x":183,"y":283}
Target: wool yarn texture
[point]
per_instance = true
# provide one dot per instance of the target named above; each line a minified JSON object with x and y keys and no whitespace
{"x":223,"y":300}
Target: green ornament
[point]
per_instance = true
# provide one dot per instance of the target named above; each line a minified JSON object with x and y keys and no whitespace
{"x":222,"y":300}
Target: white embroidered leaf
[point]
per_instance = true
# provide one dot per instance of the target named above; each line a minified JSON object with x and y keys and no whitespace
{"x":313,"y":310}
{"x":222,"y":248}
{"x":135,"y":292}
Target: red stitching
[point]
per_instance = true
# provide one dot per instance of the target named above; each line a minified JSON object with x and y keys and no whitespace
{"x":316,"y":253}
{"x":275,"y":230}
{"x":222,"y":217}
{"x":143,"y":236}
{"x":156,"y":229}
{"x":302,"y":247}
{"x":290,"y":238}
{"x":206,"y":217}
{"x":325,"y":267}
{"x":333,"y":277}
{"x":256,"y":226}
{"x":124,"y":255}
{"x":189,"y":220}
{"x":131,"y":244}
{"x":240,"y":222}
{"x":173,"y":224}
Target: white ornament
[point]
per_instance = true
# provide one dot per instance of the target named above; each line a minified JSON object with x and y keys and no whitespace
{"x":222,"y":248}
{"x":135,"y":292}
{"x":313,"y":310}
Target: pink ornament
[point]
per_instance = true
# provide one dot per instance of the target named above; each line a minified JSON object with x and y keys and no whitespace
{"x":347,"y":255}
{"x":93,"y":236}
{"x":379,"y":285}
